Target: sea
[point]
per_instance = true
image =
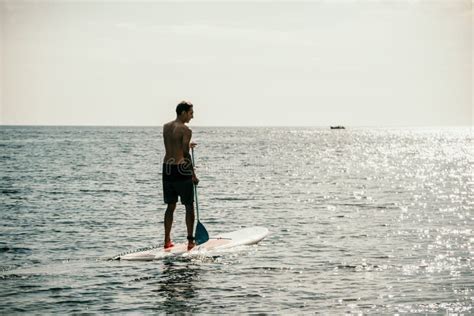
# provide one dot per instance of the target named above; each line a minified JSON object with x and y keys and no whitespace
{"x":362,"y":221}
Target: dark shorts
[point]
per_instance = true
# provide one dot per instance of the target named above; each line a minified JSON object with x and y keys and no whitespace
{"x":177,"y":181}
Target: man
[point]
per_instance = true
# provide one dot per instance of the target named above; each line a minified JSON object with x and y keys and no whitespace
{"x":178,"y":171}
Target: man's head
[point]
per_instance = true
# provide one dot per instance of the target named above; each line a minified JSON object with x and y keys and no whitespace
{"x":184,"y":111}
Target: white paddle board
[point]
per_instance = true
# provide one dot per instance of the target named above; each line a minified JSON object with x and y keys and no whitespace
{"x":246,"y":236}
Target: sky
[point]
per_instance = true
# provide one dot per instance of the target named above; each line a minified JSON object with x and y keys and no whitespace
{"x":260,"y":63}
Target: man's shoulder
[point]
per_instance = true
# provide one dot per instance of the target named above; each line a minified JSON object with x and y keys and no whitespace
{"x":166,"y":127}
{"x":181,"y":127}
{"x":177,"y":127}
{"x":169,"y":124}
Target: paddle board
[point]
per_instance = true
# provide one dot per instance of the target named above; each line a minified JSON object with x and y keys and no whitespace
{"x":245,"y":236}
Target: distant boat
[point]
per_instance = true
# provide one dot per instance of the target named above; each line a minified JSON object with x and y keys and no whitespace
{"x":338,"y":127}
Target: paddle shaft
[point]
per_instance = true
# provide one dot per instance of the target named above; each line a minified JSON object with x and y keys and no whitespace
{"x":201,"y":235}
{"x":195,"y":188}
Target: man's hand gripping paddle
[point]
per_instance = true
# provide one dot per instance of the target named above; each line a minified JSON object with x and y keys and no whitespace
{"x":201,"y":235}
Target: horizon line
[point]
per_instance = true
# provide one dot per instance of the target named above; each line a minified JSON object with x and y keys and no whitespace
{"x":240,"y":126}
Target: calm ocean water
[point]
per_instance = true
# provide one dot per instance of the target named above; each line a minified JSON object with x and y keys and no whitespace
{"x":361,"y":220}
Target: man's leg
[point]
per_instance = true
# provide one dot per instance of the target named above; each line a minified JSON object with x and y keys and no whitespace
{"x":190,"y":224}
{"x":169,"y":221}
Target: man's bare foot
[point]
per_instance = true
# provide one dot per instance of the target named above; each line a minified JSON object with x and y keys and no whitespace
{"x":168,"y":245}
{"x":191,"y":243}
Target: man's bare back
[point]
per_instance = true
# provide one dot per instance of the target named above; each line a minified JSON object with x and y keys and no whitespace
{"x":177,"y":137}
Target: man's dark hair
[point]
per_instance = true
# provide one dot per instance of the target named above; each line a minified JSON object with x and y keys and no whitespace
{"x":183,"y":106}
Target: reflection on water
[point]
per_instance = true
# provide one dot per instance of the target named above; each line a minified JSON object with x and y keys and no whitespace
{"x":177,"y":286}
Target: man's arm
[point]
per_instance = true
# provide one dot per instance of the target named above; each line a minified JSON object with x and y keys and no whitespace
{"x":187,"y":156}
{"x":187,"y":134}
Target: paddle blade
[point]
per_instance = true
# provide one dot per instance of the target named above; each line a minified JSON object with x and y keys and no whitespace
{"x":201,"y":234}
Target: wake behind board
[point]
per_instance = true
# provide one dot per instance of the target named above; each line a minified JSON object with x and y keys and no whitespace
{"x":246,"y":236}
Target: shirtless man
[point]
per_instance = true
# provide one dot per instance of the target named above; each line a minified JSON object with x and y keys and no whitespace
{"x":178,"y":171}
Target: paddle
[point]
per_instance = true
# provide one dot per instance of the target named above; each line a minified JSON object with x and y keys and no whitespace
{"x":201,"y":235}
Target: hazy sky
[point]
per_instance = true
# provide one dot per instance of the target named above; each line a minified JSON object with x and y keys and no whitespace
{"x":319,"y":63}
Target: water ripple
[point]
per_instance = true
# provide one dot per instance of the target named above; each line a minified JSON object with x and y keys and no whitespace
{"x":362,"y":221}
